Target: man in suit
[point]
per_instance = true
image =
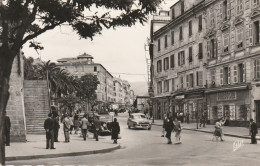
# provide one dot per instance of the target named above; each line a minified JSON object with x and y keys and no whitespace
{"x":49,"y":128}
{"x":253,"y":131}
{"x":66,"y":128}
{"x":7,"y":128}
{"x":84,"y":126}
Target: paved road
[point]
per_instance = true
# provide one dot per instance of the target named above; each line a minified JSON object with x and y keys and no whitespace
{"x":143,"y":147}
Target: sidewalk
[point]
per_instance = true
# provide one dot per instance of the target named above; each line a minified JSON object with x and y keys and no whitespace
{"x":240,"y":132}
{"x":35,"y":146}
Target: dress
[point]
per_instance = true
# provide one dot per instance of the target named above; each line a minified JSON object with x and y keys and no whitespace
{"x":177,"y":128}
{"x":115,"y":130}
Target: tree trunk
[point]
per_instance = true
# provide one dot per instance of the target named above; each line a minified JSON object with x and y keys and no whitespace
{"x":6,"y":61}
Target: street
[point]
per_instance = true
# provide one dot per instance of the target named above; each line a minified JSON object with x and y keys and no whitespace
{"x":143,"y":147}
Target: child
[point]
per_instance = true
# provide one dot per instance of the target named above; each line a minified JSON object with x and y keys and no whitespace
{"x":177,"y":130}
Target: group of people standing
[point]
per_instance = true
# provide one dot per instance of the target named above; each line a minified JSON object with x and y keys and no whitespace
{"x":51,"y":126}
{"x":170,"y":125}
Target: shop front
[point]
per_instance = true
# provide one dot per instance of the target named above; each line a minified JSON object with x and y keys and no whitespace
{"x":160,"y":107}
{"x":232,"y":104}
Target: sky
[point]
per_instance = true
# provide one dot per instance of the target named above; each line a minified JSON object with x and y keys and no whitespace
{"x":120,"y":50}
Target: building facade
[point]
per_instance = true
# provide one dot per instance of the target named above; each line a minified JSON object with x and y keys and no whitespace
{"x":206,"y":59}
{"x":83,"y":65}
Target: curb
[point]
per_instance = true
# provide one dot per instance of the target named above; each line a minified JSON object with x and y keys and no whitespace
{"x":62,"y":154}
{"x":230,"y":135}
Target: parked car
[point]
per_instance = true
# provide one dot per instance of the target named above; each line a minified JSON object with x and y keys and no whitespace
{"x":139,"y":120}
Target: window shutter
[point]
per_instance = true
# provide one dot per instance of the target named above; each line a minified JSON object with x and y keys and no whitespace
{"x":179,"y":59}
{"x":183,"y":58}
{"x":173,"y":84}
{"x":250,"y":34}
{"x":200,"y":78}
{"x":215,"y":47}
{"x":235,"y":74}
{"x":220,"y":12}
{"x":221,"y":76}
{"x":208,"y":48}
{"x":228,"y":9}
{"x":229,"y":75}
{"x":244,"y":72}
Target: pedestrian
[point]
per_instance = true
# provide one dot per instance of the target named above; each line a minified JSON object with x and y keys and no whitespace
{"x":177,"y":130}
{"x":66,"y":128}
{"x":169,"y":128}
{"x":219,"y":129}
{"x":71,"y":123}
{"x":115,"y":128}
{"x":129,"y":113}
{"x":203,"y":119}
{"x":49,"y":128}
{"x":7,"y":128}
{"x":253,"y":131}
{"x":55,"y":117}
{"x":84,"y":126}
{"x":165,"y":121}
{"x":188,"y":117}
{"x":76,"y":123}
{"x":94,"y":129}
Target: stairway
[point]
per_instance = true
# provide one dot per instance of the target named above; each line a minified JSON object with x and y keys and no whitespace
{"x":36,"y":103}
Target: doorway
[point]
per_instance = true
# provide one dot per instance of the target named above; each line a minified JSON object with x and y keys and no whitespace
{"x":257,"y":111}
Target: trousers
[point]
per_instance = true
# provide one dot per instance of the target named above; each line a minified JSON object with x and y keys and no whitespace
{"x":50,"y":139}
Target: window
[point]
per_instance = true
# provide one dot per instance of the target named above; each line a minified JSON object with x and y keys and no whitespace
{"x":173,"y":14}
{"x":190,"y":28}
{"x":181,"y":58}
{"x":199,"y":78}
{"x":95,"y":68}
{"x":172,"y":37}
{"x":225,"y":42}
{"x":159,"y":66}
{"x":213,"y":76}
{"x":172,"y":61}
{"x":191,"y":81}
{"x":165,"y":41}
{"x":225,"y":9}
{"x":166,"y":86}
{"x":166,"y":63}
{"x":181,"y":33}
{"x":256,"y":32}
{"x":227,"y":75}
{"x":255,"y":2}
{"x":190,"y":54}
{"x":173,"y":85}
{"x":241,"y":73}
{"x":239,"y":6}
{"x":212,"y":48}
{"x":187,"y":81}
{"x":212,"y":17}
{"x":240,"y":37}
{"x":200,"y":23}
{"x":257,"y":69}
{"x":182,"y":7}
{"x":200,"y":51}
{"x":159,"y":45}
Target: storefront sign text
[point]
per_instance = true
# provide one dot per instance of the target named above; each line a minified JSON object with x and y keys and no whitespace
{"x":223,"y":96}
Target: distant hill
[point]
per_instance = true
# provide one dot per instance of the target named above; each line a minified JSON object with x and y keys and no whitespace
{"x":139,"y":88}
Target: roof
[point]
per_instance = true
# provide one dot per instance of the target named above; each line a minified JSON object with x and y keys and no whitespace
{"x":85,"y":56}
{"x":65,"y":59}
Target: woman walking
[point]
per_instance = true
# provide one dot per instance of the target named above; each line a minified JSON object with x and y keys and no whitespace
{"x":177,"y":130}
{"x":115,"y":130}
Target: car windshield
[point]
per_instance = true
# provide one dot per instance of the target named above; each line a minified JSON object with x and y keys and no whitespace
{"x":139,"y":116}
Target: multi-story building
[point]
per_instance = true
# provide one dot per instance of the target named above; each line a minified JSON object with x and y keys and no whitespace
{"x":206,"y":58}
{"x":83,"y":65}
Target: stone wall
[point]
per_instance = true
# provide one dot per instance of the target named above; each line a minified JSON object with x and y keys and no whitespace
{"x":37,"y":106}
{"x":15,"y":106}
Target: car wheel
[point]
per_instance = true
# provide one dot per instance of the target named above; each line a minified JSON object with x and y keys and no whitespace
{"x":149,"y":128}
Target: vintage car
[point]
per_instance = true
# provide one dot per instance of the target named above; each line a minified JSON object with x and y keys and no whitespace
{"x":138,"y":120}
{"x":102,"y":123}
